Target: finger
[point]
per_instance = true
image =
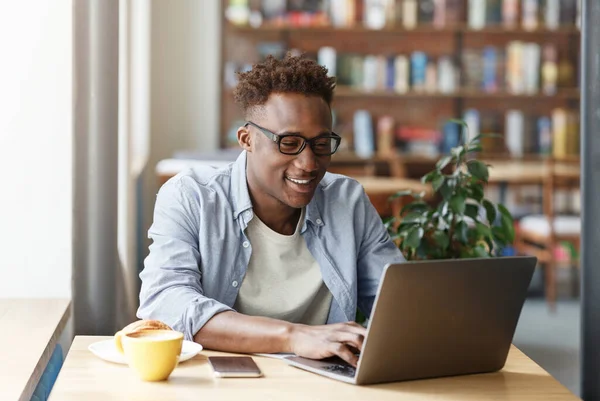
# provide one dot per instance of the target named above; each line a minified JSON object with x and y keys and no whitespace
{"x":355,"y":328}
{"x":353,"y":339}
{"x":344,"y":353}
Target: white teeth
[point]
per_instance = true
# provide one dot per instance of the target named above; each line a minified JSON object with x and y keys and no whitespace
{"x":304,"y":182}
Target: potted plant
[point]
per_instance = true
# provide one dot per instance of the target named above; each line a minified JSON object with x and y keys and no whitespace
{"x":461,"y":223}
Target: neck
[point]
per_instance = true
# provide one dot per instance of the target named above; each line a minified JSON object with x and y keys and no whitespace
{"x":278,"y":216}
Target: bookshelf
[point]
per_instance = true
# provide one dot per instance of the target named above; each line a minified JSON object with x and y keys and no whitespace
{"x":520,"y":105}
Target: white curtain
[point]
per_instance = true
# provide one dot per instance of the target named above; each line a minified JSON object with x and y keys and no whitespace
{"x":134,"y":142}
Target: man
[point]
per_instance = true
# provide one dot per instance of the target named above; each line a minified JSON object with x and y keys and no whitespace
{"x":270,"y":254}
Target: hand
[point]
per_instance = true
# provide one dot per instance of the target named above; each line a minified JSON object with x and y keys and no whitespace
{"x":318,"y":342}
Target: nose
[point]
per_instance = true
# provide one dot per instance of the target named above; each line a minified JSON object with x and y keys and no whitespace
{"x":307,"y":160}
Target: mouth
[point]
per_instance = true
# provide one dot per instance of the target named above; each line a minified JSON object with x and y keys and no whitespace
{"x":299,"y":181}
{"x":301,"y":185}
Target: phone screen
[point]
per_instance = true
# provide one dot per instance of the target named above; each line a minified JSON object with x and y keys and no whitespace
{"x":234,"y":366}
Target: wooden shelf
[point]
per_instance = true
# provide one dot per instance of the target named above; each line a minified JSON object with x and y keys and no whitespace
{"x":346,"y":91}
{"x":565,"y":30}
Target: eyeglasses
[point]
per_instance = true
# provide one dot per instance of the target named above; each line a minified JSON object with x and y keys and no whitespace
{"x":293,"y":144}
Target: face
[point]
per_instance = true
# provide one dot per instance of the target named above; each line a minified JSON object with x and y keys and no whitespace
{"x":273,"y":177}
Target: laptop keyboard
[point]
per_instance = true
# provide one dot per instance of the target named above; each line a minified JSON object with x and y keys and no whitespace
{"x":344,"y":370}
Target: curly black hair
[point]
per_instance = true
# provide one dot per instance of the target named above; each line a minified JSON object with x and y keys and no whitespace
{"x":292,"y":74}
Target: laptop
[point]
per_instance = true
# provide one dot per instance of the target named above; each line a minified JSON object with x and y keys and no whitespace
{"x":437,"y":318}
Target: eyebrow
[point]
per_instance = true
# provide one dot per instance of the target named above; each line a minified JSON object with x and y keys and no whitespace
{"x":322,"y":133}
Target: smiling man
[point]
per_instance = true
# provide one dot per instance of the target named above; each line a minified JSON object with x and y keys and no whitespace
{"x":271,"y":254}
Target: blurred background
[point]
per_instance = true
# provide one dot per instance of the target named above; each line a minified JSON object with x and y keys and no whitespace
{"x":403,"y":68}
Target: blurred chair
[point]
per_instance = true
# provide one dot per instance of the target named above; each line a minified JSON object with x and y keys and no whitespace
{"x":541,"y":235}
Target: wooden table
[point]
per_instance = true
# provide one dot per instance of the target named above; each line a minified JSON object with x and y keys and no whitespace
{"x":85,"y":377}
{"x":29,"y":331}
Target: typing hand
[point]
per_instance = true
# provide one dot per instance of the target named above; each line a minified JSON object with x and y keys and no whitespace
{"x":318,"y":342}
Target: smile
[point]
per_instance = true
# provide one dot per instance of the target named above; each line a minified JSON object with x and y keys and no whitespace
{"x":297,"y":181}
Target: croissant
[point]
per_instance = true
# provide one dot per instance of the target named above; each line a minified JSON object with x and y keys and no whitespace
{"x":141,"y":325}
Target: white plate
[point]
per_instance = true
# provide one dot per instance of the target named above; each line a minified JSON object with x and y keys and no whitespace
{"x":108,"y":351}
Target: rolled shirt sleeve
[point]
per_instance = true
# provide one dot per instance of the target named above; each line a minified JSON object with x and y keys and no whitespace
{"x":376,"y":250}
{"x":172,"y":277}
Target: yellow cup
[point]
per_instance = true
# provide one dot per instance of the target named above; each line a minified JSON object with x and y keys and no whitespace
{"x":153,"y":354}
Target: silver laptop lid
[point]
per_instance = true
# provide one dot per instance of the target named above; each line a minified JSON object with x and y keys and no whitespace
{"x":444,"y":317}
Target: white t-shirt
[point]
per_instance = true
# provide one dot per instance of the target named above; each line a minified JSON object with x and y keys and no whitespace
{"x":283,"y":280}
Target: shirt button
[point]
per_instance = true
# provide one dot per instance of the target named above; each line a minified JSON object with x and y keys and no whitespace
{"x":247,"y":214}
{"x":246,"y":244}
{"x":319,"y":221}
{"x":234,"y":284}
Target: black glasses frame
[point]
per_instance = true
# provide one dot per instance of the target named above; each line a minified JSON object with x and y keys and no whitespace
{"x":277,"y":138}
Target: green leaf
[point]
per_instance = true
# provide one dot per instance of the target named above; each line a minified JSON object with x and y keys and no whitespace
{"x":437,"y":182}
{"x":465,"y":131}
{"x":478,"y":169}
{"x":457,"y":204}
{"x":441,"y":239}
{"x":508,"y":228}
{"x":475,"y":148}
{"x":483,"y":230}
{"x":504,"y":211}
{"x":399,"y":194}
{"x":416,"y":206}
{"x":472,"y":211}
{"x":486,"y":135}
{"x":443,"y":162}
{"x":457,"y":151}
{"x":446,"y":189}
{"x":490,"y":211}
{"x":480,"y":252}
{"x":430,"y":176}
{"x":461,"y":233}
{"x":499,"y":235}
{"x":476,"y":191}
{"x":412,"y":218}
{"x":413,"y":239}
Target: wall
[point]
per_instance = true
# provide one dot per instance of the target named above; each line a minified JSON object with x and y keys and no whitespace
{"x":35,"y":149}
{"x":185,"y":59}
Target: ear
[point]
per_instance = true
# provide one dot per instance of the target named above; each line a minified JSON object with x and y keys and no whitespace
{"x":244,"y":138}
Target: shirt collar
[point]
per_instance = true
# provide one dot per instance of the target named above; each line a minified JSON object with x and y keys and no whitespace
{"x":241,"y":196}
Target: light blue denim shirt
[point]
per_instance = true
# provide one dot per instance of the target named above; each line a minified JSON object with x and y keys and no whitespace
{"x":200,"y":251}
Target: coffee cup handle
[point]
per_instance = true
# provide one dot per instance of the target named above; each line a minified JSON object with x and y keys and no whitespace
{"x":118,"y":342}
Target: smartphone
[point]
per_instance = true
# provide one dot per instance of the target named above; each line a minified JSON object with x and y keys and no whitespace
{"x":234,"y":366}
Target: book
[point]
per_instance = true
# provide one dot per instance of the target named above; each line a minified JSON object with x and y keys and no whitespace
{"x":426,"y":11}
{"x":446,"y":75}
{"x":530,"y":15}
{"x":531,"y":68}
{"x":402,"y":74}
{"x":370,"y":71}
{"x":568,"y":12}
{"x":409,"y":14}
{"x":472,"y":69}
{"x":385,"y":136}
{"x":375,"y":13}
{"x":544,"y":135}
{"x":476,"y":14}
{"x":549,"y":70}
{"x":514,"y":67}
{"x":559,"y":133}
{"x":418,"y":67}
{"x":490,"y":68}
{"x":552,"y":14}
{"x":450,"y":137}
{"x":327,"y":58}
{"x":363,"y":134}
{"x":453,"y":12}
{"x":514,"y":132}
{"x":439,"y":13}
{"x":431,"y":79}
{"x":510,"y":11}
{"x":472,"y":120}
{"x":493,"y":12}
